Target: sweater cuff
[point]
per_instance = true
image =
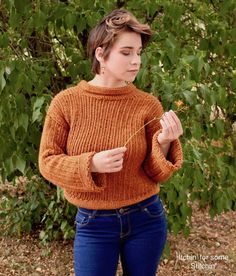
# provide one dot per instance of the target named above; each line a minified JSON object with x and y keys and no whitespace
{"x":159,"y":167}
{"x":85,"y":173}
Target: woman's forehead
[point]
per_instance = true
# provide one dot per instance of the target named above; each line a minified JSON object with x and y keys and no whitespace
{"x":128,"y":40}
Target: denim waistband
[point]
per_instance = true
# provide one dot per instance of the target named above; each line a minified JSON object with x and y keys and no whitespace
{"x":140,"y":205}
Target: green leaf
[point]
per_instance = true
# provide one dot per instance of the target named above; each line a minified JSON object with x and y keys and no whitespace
{"x":42,"y":234}
{"x":22,"y":6}
{"x":172,"y":195}
{"x":185,"y":210}
{"x":175,"y":228}
{"x":188,"y":59}
{"x":204,"y":196}
{"x":190,"y":96}
{"x":27,"y":226}
{"x":204,"y":44}
{"x":234,"y":84}
{"x":37,"y":115}
{"x":222,"y":97}
{"x":56,"y":216}
{"x":2,"y":80}
{"x":70,"y":20}
{"x":194,"y":196}
{"x":188,"y":84}
{"x":198,"y":156}
{"x":20,"y":165}
{"x":8,"y":164}
{"x":38,"y":103}
{"x":24,"y":121}
{"x":4,"y":40}
{"x":20,"y":101}
{"x":34,"y":205}
{"x":60,"y":194}
{"x":212,"y":212}
{"x":219,"y":204}
{"x":80,"y":24}
{"x":207,"y":69}
{"x":200,"y":64}
{"x":220,"y":126}
{"x":197,"y":131}
{"x":167,"y":250}
{"x":186,"y":231}
{"x":51,"y":205}
{"x":63,"y":225}
{"x":200,"y":109}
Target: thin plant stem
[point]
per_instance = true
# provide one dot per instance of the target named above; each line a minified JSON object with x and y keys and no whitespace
{"x":155,"y":118}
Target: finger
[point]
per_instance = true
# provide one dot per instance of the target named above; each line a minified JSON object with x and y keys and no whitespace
{"x":164,"y":127}
{"x":162,"y":124}
{"x":115,"y":170}
{"x":117,"y":157}
{"x":174,"y":123}
{"x":117,"y":163}
{"x":116,"y":151}
{"x":175,"y":118}
{"x":110,"y":162}
{"x":177,"y":121}
{"x":170,"y":124}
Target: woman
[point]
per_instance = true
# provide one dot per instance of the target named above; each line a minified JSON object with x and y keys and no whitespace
{"x":82,"y":150}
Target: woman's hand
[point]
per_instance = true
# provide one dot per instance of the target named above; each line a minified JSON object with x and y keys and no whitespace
{"x":171,"y":128}
{"x":108,"y":161}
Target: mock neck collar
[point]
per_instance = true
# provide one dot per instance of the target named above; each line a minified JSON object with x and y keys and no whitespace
{"x":107,"y":91}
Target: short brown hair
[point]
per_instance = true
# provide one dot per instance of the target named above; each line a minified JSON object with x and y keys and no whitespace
{"x":104,"y":34}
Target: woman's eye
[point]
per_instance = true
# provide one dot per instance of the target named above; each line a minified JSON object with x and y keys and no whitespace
{"x":125,"y":53}
{"x":128,"y":53}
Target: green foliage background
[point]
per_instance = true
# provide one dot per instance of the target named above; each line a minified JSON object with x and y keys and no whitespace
{"x":191,"y":58}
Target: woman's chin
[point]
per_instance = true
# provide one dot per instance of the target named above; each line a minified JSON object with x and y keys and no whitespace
{"x":130,"y":79}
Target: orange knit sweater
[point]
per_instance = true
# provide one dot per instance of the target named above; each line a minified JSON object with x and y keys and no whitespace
{"x":87,"y":119}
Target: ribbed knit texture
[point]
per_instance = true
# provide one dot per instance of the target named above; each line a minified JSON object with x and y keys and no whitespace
{"x":87,"y":119}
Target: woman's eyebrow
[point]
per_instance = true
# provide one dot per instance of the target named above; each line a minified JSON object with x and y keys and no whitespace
{"x":129,"y":47}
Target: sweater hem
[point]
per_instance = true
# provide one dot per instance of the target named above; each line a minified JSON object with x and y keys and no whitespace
{"x":106,"y":205}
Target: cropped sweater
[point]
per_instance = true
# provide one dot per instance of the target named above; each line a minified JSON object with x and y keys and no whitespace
{"x":86,"y":119}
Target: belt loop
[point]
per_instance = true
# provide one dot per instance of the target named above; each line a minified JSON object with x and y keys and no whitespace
{"x":117,"y":213}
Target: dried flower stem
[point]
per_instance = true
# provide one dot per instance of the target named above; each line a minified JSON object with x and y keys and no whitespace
{"x":155,"y":118}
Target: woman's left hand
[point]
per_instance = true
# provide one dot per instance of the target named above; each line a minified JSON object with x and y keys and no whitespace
{"x":171,"y":128}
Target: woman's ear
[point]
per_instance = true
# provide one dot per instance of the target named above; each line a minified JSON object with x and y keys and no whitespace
{"x":99,"y":54}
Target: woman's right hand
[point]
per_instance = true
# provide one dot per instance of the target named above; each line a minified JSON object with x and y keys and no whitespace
{"x":108,"y":161}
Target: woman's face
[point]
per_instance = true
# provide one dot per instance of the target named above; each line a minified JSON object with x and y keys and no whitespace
{"x":124,"y":60}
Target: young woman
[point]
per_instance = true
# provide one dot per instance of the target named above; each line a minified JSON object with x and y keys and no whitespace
{"x":82,"y":150}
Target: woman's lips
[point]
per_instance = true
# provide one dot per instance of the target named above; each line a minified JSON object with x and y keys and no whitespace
{"x":133,"y":71}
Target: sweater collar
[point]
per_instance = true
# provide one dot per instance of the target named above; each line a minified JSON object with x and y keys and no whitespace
{"x":112,"y":91}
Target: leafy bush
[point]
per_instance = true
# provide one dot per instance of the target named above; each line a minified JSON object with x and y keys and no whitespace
{"x":22,"y":205}
{"x":31,"y":204}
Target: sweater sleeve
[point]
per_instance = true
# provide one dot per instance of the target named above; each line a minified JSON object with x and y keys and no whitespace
{"x":55,"y":165}
{"x":156,"y":165}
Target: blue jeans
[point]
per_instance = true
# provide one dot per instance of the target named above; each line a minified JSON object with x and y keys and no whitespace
{"x":136,"y":232}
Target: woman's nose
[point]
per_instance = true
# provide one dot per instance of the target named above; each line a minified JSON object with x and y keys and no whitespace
{"x":136,"y":59}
